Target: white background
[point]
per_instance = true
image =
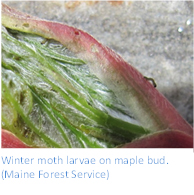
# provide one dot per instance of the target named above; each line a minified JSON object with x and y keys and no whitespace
{"x":176,"y":177}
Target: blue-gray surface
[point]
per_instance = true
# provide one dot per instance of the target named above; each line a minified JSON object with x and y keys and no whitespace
{"x":155,"y":37}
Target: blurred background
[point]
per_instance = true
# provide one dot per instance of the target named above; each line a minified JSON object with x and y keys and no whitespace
{"x":155,"y":37}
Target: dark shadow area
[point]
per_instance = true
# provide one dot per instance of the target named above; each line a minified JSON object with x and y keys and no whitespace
{"x":183,"y":104}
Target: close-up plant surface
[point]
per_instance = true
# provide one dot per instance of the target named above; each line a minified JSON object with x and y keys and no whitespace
{"x":62,"y":88}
